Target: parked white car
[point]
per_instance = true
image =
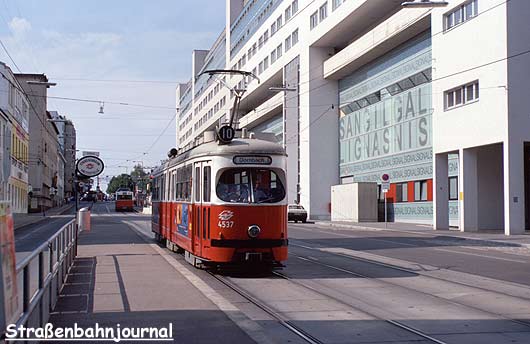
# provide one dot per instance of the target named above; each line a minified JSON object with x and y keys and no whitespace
{"x":295,"y":212}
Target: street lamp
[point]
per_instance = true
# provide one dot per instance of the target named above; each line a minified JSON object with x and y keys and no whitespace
{"x":424,"y":3}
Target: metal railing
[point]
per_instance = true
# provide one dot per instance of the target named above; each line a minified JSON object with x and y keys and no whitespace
{"x":43,"y":274}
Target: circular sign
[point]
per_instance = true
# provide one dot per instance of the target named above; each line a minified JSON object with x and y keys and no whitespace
{"x":89,"y":166}
{"x":385,"y":177}
{"x":226,"y":134}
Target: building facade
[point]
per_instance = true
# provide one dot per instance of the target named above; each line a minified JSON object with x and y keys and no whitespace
{"x":15,"y":107}
{"x":43,"y":143}
{"x":371,"y":88}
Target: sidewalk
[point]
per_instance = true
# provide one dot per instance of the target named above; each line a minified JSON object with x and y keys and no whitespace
{"x":22,"y":220}
{"x":120,"y":279}
{"x":490,"y":236}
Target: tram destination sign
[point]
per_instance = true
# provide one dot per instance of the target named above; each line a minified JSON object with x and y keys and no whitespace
{"x":252,"y":160}
{"x":90,"y":166}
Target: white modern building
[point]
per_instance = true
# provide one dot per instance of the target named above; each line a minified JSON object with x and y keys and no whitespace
{"x":433,"y":97}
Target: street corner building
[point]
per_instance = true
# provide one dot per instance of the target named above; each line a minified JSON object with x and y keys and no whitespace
{"x":433,"y":97}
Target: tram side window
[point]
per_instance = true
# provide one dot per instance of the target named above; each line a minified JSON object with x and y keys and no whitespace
{"x":197,"y":184}
{"x":177,"y":185}
{"x":153,"y":189}
{"x":207,"y":172}
{"x":163,"y":193}
{"x":183,"y":184}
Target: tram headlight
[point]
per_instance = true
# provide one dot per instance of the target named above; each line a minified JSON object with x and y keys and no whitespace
{"x":253,"y":231}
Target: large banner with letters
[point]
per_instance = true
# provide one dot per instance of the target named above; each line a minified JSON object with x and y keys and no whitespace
{"x":393,"y":135}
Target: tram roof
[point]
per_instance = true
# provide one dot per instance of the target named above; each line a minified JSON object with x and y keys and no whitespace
{"x":237,"y":146}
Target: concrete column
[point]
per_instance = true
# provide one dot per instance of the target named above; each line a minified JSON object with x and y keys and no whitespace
{"x":319,"y":127}
{"x":468,"y":186}
{"x":291,"y":127}
{"x":441,"y":192}
{"x":514,"y":209}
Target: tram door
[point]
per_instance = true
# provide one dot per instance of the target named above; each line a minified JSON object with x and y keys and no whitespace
{"x":201,"y":215}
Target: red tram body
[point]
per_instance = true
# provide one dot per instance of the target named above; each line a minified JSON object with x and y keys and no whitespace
{"x":223,"y":203}
{"x":124,"y":201}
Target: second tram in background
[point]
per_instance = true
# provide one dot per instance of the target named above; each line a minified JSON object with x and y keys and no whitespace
{"x":124,"y":200}
{"x":224,"y":203}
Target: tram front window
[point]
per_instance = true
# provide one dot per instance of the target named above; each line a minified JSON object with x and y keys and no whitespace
{"x":252,"y":185}
{"x":124,"y":197}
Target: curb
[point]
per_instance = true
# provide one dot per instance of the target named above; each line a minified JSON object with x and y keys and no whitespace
{"x":367,"y":228}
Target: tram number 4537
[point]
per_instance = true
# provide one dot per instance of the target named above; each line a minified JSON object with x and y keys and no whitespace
{"x":225,"y":224}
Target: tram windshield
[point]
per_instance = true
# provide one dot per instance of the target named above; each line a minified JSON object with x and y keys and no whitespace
{"x":250,"y":185}
{"x":124,"y":197}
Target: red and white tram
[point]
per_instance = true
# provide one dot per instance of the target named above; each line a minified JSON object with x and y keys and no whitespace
{"x":124,"y":200}
{"x":223,"y":203}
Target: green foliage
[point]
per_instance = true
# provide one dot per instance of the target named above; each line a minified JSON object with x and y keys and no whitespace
{"x":122,"y":181}
{"x":137,"y":177}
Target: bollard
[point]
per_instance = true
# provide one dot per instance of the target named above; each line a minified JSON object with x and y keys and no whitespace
{"x":84,"y":219}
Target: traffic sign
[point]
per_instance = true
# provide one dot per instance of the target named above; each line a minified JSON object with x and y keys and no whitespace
{"x":385,"y":177}
{"x":89,"y":166}
{"x":226,"y":134}
{"x":385,"y":186}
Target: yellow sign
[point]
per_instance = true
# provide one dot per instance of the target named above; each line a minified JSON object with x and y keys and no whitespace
{"x":461,"y":195}
{"x":8,"y":261}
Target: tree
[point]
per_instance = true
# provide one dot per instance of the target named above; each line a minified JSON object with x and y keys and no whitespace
{"x":140,"y":177}
{"x":122,"y":181}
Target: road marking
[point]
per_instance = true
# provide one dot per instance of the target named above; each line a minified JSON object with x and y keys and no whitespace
{"x":463,"y":244}
{"x":249,"y":326}
{"x":482,"y":255}
{"x":356,"y":237}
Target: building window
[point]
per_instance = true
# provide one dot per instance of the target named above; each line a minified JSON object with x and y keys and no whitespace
{"x":294,"y":7}
{"x":461,"y":14}
{"x":323,"y":11}
{"x":265,"y":36}
{"x":288,"y":43}
{"x":461,"y":95}
{"x":402,"y":192}
{"x":294,"y":37}
{"x":266,"y":63}
{"x":273,"y":28}
{"x":260,"y":68}
{"x":273,"y":56}
{"x":420,"y":190}
{"x":313,"y":20}
{"x":453,"y":188}
{"x":335,"y":4}
{"x":279,"y":51}
{"x":287,"y":13}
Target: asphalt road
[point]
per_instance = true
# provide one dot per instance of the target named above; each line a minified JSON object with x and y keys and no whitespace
{"x":352,"y":286}
{"x":498,"y":261}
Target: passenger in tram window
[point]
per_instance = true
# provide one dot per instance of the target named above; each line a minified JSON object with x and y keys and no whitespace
{"x":261,"y":192}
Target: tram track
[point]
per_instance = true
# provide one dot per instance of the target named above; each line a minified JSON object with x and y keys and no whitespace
{"x":261,"y":305}
{"x":301,"y":332}
{"x":360,"y":275}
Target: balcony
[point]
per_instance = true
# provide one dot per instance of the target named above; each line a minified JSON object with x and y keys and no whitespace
{"x":392,"y":32}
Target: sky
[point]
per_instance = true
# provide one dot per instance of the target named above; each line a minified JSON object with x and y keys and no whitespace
{"x":141,"y":49}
